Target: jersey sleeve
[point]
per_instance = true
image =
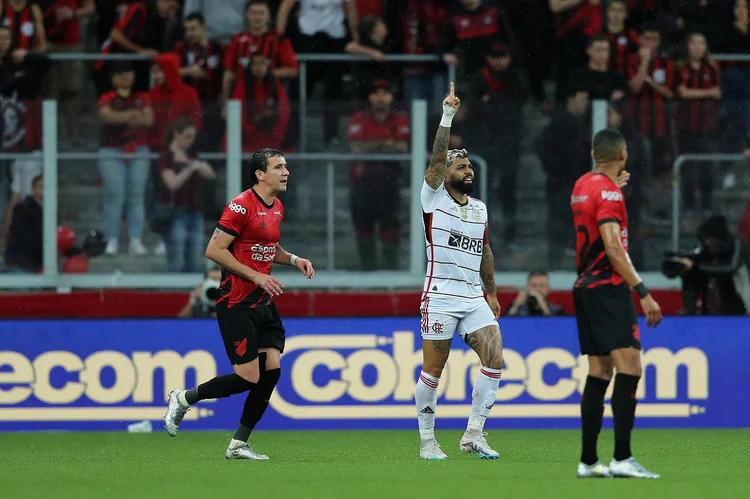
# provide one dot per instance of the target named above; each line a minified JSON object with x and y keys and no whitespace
{"x":430,"y":197}
{"x":610,"y":206}
{"x":106,"y":99}
{"x":234,"y":218}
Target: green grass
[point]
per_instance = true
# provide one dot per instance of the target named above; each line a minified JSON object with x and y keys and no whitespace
{"x":363,"y":465}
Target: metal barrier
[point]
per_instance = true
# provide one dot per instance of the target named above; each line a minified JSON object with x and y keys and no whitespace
{"x":303,"y":60}
{"x":676,"y":189}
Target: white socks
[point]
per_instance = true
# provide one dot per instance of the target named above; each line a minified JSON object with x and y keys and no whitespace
{"x":426,"y":399}
{"x":181,"y":398}
{"x":483,"y":398}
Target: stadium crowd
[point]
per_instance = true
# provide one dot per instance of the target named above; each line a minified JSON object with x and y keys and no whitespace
{"x":516,"y":58}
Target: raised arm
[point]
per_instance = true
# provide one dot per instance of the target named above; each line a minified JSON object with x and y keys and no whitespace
{"x":435,"y":174}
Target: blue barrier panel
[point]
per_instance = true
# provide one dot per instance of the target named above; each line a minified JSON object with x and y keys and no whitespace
{"x":356,"y":373}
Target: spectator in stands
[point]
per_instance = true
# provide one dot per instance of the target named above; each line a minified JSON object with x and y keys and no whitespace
{"x":564,"y":148}
{"x":716,"y":281}
{"x":139,"y":31}
{"x":418,"y":26}
{"x":533,"y":301}
{"x":699,"y":90}
{"x":202,"y":67}
{"x":373,"y":34}
{"x":598,"y":79}
{"x":199,"y":305}
{"x":735,"y":78}
{"x":265,"y":107}
{"x":21,"y":73}
{"x":223,"y":19}
{"x":376,"y":186}
{"x":639,"y":161}
{"x":182,"y":177}
{"x":472,"y":29}
{"x":126,"y":116}
{"x":108,"y":12}
{"x":63,"y":32}
{"x":575,"y":21}
{"x":529,"y":21}
{"x":623,"y":41}
{"x":499,"y":92}
{"x":25,"y":20}
{"x":651,"y":80}
{"x":25,"y":248}
{"x":323,"y":30}
{"x":171,"y":98}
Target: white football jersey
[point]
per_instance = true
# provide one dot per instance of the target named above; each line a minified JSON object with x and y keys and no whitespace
{"x":455,"y":235}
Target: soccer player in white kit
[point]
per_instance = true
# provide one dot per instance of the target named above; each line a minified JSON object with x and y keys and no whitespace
{"x":460,"y":266}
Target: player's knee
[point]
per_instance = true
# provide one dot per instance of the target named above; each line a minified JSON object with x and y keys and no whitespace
{"x":249,"y":372}
{"x":433,"y":369}
{"x":497,"y":361}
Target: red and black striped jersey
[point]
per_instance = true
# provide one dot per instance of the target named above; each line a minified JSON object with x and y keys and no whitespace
{"x":211,"y":59}
{"x":648,"y":107}
{"x":256,"y":227}
{"x":621,"y":46}
{"x":21,"y":25}
{"x":66,"y":33}
{"x":700,"y":116}
{"x":276,"y":48}
{"x":134,"y":25}
{"x":596,"y":200}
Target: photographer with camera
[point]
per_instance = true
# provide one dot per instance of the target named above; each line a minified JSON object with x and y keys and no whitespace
{"x":202,"y":302}
{"x":532,"y":301}
{"x":716,"y":276}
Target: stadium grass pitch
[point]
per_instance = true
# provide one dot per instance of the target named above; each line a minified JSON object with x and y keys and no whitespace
{"x":362,"y":464}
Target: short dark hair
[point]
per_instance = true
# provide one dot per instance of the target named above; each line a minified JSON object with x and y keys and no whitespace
{"x":574,"y":88}
{"x":607,"y":145}
{"x":250,"y":3}
{"x":196,"y":16}
{"x":597,"y":38}
{"x":259,"y":161}
{"x":537,"y":273}
{"x":650,"y":26}
{"x":36,"y":180}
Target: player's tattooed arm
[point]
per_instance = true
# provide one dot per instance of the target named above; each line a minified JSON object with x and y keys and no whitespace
{"x":435,"y":174}
{"x":487,"y":271}
{"x":488,"y":345}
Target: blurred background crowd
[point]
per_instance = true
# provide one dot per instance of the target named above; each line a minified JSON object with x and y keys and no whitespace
{"x":526,"y":70}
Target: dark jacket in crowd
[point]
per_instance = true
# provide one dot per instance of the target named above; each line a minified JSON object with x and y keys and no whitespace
{"x":718,"y":284}
{"x":24,"y":250}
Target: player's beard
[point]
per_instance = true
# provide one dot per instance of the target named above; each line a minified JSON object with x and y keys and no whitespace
{"x":461,"y":185}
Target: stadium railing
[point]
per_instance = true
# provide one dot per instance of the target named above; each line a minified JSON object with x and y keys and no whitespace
{"x":303,"y":59}
{"x":677,"y":189}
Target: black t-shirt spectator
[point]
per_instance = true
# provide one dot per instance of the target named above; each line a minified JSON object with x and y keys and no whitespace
{"x":24,"y":249}
{"x":599,"y":84}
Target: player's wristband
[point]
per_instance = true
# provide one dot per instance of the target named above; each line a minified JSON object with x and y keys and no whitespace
{"x":446,"y":120}
{"x":293,"y":260}
{"x":641,"y":289}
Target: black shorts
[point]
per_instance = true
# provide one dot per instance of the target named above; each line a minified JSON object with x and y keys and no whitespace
{"x":606,"y":319}
{"x":245,"y":330}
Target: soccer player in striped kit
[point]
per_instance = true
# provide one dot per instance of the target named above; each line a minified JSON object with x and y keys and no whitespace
{"x":460,"y":265}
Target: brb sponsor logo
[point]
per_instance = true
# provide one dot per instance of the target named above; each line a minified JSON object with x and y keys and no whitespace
{"x":611,"y":196}
{"x":261,"y":253}
{"x":237,"y":208}
{"x":460,"y":241}
{"x":363,"y":376}
{"x":104,"y":386}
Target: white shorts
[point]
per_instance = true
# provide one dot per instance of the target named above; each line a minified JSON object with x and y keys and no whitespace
{"x":442,"y":317}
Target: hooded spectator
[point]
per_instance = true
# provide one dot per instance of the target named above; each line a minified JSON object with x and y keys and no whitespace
{"x":171,"y":98}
